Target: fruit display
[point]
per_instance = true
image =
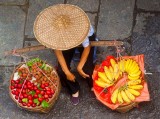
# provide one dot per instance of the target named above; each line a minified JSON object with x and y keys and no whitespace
{"x":119,"y":81}
{"x":34,"y":84}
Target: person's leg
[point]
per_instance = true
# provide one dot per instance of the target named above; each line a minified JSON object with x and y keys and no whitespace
{"x":73,"y":87}
{"x":89,"y":65}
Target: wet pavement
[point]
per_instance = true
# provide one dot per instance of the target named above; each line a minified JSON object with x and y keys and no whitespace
{"x":135,"y":22}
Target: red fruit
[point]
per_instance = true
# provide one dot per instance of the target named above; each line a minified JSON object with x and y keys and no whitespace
{"x":16,"y":97}
{"x":43,"y":86}
{"x":42,"y":92}
{"x":25,"y":95}
{"x":48,"y":92}
{"x":13,"y":92}
{"x":52,"y":91}
{"x":48,"y":89}
{"x":46,"y":96}
{"x":12,"y":87}
{"x":12,"y":82}
{"x":25,"y":86}
{"x":29,"y":86}
{"x":16,"y":93}
{"x":40,"y":99}
{"x":24,"y":104}
{"x":47,"y":99}
{"x":20,"y":101}
{"x":23,"y":91}
{"x":35,"y":96}
{"x":30,"y":102}
{"x":17,"y":81}
{"x":30,"y":97}
{"x":33,"y":105}
{"x":28,"y":83}
{"x":21,"y":96}
{"x":16,"y":85}
{"x":19,"y":85}
{"x":35,"y":88}
{"x":46,"y":84}
{"x":50,"y":96}
{"x":38,"y":91}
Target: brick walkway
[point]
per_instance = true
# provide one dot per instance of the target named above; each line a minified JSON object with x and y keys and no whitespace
{"x":136,"y":22}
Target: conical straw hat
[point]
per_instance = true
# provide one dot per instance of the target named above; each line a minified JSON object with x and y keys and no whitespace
{"x":61,"y":26}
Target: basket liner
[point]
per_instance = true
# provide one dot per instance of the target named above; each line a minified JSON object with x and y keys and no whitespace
{"x":144,"y":96}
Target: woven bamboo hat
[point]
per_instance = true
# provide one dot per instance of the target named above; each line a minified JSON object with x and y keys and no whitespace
{"x":61,"y":27}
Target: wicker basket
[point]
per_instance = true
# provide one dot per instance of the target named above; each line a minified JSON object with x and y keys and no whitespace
{"x":38,"y":108}
{"x":126,"y":108}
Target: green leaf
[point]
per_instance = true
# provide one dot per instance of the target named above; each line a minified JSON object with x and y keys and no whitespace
{"x":43,"y":65}
{"x":32,"y":92}
{"x":36,"y":101}
{"x":25,"y":100}
{"x":39,"y":95}
{"x":45,"y":104}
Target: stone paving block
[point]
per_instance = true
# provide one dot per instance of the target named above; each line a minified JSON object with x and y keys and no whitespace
{"x":149,"y":110}
{"x":86,"y":5}
{"x":46,"y":54}
{"x":145,"y":40}
{"x":36,"y":6}
{"x":115,"y":19}
{"x":11,"y":32}
{"x":13,"y":2}
{"x":149,"y":5}
{"x":92,"y":18}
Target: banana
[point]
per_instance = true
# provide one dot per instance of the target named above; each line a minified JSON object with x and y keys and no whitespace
{"x":108,"y":73}
{"x":103,"y":77}
{"x":126,"y":64}
{"x":125,"y":97}
{"x":136,"y":69}
{"x":120,"y":100}
{"x":102,"y":84}
{"x":134,"y":82}
{"x":113,"y":62}
{"x":133,"y":67}
{"x":130,"y":95}
{"x":114,"y":96}
{"x":133,"y":78}
{"x":135,"y":74}
{"x":129,"y":65}
{"x":116,"y":72}
{"x":122,"y":65}
{"x":137,"y":87}
{"x":134,"y":92}
{"x":111,"y":70}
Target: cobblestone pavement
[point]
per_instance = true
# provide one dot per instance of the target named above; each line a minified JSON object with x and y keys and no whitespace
{"x":136,"y":22}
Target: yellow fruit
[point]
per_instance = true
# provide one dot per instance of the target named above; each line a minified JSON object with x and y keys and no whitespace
{"x":111,"y":70}
{"x":124,"y":96}
{"x":126,"y":64}
{"x":102,"y":84}
{"x":134,"y":74}
{"x":133,"y":67}
{"x":108,"y":73}
{"x":129,"y":65}
{"x":130,"y":96}
{"x":133,"y":78}
{"x":134,"y":82}
{"x":103,"y":77}
{"x":122,"y":65}
{"x":114,"y":96}
{"x":113,"y":62}
{"x":120,"y":100}
{"x":137,"y":87}
{"x":134,"y":92}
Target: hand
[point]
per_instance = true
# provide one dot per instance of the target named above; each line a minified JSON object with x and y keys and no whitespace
{"x":81,"y":72}
{"x":70,"y":76}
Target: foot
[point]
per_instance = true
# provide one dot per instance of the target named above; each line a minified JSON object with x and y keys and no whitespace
{"x":75,"y":98}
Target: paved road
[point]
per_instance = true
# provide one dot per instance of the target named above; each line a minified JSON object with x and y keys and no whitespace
{"x":136,"y":22}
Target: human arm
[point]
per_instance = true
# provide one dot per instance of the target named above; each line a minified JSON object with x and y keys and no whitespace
{"x":70,"y":76}
{"x":83,"y":60}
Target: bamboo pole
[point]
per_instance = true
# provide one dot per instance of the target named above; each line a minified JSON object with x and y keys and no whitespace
{"x":41,"y":47}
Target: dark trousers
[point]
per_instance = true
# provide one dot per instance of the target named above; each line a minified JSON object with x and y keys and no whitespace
{"x":73,"y":87}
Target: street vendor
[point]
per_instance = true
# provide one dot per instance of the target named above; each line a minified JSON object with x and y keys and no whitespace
{"x":66,"y":28}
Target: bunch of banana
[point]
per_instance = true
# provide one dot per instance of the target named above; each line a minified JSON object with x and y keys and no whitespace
{"x":127,"y":93}
{"x":132,"y":68}
{"x":103,"y":80}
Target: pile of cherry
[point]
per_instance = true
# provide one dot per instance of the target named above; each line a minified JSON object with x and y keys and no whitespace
{"x":33,"y":84}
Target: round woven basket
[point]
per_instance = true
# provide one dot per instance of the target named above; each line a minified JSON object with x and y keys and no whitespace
{"x":38,"y":108}
{"x":127,"y":108}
